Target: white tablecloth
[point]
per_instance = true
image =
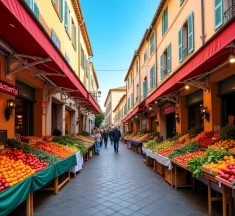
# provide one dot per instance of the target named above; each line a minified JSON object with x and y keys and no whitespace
{"x":78,"y":167}
{"x":159,"y":158}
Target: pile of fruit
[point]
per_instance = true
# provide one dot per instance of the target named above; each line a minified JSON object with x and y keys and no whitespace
{"x":12,"y":172}
{"x":183,"y":159}
{"x":70,"y":148}
{"x":164,"y":145}
{"x":224,"y":144}
{"x":206,"y":139}
{"x":190,"y":147}
{"x":84,"y":139}
{"x":167,"y":151}
{"x":28,"y":159}
{"x":228,"y":173}
{"x":58,"y":150}
{"x":144,"y":137}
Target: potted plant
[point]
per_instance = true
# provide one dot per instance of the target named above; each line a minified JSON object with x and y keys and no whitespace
{"x":1,"y":146}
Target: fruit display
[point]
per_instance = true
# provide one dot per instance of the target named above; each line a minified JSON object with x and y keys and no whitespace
{"x":130,"y":136}
{"x":12,"y":172}
{"x":30,"y":139}
{"x":206,"y":139}
{"x":183,"y":159}
{"x":228,"y":173}
{"x":165,"y":152}
{"x":164,"y":145}
{"x":60,"y":151}
{"x":224,"y":144}
{"x":41,"y":155}
{"x":144,"y":137}
{"x":211,"y":156}
{"x":150,"y":144}
{"x":84,"y":139}
{"x":28,"y":159}
{"x":70,"y":148}
{"x":190,"y":147}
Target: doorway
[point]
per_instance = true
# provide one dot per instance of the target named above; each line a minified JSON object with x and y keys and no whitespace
{"x":24,"y":117}
{"x":170,"y":125}
{"x":194,"y":116}
{"x":228,"y":109}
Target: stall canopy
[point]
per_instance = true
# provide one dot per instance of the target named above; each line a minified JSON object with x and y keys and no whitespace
{"x":134,"y":112}
{"x":21,"y":31}
{"x":211,"y":55}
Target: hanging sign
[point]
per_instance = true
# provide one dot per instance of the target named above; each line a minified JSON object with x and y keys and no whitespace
{"x":8,"y":88}
{"x":168,"y":109}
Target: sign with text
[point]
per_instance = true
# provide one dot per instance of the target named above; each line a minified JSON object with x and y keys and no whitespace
{"x":152,"y":114}
{"x":168,"y":109}
{"x":8,"y":88}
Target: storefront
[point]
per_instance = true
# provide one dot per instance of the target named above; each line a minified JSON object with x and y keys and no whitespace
{"x":153,"y":121}
{"x":194,"y":103}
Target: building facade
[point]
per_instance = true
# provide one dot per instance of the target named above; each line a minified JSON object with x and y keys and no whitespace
{"x":177,"y":59}
{"x":112,"y":99}
{"x":44,"y":68}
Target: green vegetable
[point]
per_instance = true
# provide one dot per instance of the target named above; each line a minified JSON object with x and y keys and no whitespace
{"x":211,"y":155}
{"x":84,"y":133}
{"x":150,"y":144}
{"x":42,"y":155}
{"x":190,"y":147}
{"x":163,"y":145}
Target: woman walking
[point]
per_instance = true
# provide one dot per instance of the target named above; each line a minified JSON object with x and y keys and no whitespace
{"x":97,"y":141}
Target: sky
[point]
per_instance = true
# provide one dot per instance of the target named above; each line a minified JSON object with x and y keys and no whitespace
{"x":115,"y":29}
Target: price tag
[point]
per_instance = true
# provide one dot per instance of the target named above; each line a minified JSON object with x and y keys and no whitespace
{"x":219,"y":184}
{"x":211,"y":172}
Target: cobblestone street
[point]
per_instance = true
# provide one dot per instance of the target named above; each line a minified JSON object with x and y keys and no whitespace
{"x":119,"y":184}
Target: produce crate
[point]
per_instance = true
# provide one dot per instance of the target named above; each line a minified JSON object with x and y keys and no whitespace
{"x":160,"y":169}
{"x":170,"y":178}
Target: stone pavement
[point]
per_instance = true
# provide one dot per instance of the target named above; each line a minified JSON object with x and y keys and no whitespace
{"x":117,"y":185}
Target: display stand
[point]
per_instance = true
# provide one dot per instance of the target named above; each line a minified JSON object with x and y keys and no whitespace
{"x":57,"y":184}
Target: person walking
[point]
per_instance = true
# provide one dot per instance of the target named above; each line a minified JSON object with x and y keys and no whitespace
{"x":105,"y":136}
{"x":116,"y":138}
{"x":97,"y":141}
{"x":111,"y":136}
{"x":102,"y":136}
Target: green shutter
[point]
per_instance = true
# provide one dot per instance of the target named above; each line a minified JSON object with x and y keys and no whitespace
{"x":218,"y":13}
{"x":190,"y":33}
{"x":151,"y":78}
{"x":154,"y":81}
{"x":65,"y":15}
{"x":163,"y":24}
{"x":36,"y":10}
{"x":166,"y":19}
{"x":169,"y":58}
{"x":61,"y":9}
{"x":161,"y":65}
{"x":180,"y":38}
{"x":54,"y":2}
{"x":181,"y":2}
{"x":75,"y":37}
{"x":80,"y":54}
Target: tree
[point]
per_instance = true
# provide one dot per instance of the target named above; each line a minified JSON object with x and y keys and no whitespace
{"x":99,"y":118}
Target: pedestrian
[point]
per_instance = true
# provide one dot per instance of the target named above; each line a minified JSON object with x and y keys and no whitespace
{"x":97,"y":141}
{"x":102,"y":137}
{"x":111,"y":136}
{"x":105,"y":136}
{"x":116,"y":138}
{"x":57,"y":131}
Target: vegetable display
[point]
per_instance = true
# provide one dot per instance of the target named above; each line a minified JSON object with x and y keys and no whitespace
{"x":208,"y":138}
{"x":164,"y":145}
{"x":190,"y":147}
{"x":150,"y":144}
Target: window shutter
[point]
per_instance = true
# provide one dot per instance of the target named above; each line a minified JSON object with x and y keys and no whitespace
{"x":54,"y":2}
{"x":65,"y":15}
{"x":163,"y":23}
{"x":80,"y":54}
{"x":218,"y":13}
{"x":61,"y":9}
{"x":190,"y":33}
{"x":36,"y":10}
{"x":169,"y":58}
{"x":154,"y":79}
{"x":75,"y":37}
{"x":181,"y":2}
{"x":161,"y":65}
{"x":180,"y":38}
{"x":151,"y":78}
{"x":166,"y":20}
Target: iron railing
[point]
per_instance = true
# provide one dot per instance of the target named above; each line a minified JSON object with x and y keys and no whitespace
{"x":230,"y":13}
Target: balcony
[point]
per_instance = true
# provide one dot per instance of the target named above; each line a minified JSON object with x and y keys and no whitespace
{"x":230,"y":13}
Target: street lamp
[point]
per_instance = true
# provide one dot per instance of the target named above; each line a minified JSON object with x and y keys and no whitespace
{"x":99,"y":93}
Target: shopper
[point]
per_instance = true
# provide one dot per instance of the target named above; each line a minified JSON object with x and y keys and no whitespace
{"x":105,"y":136}
{"x":101,"y":141}
{"x":57,"y":131}
{"x":116,"y":138}
{"x":111,"y":136}
{"x":97,"y":141}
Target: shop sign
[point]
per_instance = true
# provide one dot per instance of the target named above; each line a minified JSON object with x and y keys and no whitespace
{"x":168,"y":109}
{"x":8,"y":88}
{"x":152,"y":114}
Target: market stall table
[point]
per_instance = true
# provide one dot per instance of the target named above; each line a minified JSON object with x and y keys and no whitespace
{"x":79,"y":158}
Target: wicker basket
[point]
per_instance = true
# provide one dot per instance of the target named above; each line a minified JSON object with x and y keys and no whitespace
{"x":181,"y":177}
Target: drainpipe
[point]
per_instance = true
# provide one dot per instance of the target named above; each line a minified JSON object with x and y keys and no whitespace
{"x":203,"y":22}
{"x":155,"y":43}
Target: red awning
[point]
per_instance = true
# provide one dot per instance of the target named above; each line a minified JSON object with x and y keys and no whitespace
{"x":209,"y":57}
{"x":135,"y":111}
{"x":28,"y":38}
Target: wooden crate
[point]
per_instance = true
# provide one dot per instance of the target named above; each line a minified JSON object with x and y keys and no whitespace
{"x":170,"y":178}
{"x":160,"y":168}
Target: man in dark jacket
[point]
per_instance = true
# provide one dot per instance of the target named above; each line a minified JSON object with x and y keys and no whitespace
{"x":111,"y":136}
{"x":105,"y":136}
{"x":116,"y":138}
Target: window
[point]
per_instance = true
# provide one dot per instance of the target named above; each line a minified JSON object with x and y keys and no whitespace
{"x":145,"y":56}
{"x":186,"y":38}
{"x":85,"y":65}
{"x":33,"y":7}
{"x":145,"y":88}
{"x":218,"y":13}
{"x":137,"y":92}
{"x":125,"y":109}
{"x":82,"y":56}
{"x":152,"y":77}
{"x":164,"y":21}
{"x":131,"y":78}
{"x":67,"y":17}
{"x":132,"y":99}
{"x":55,"y":39}
{"x":74,"y":35}
{"x":165,"y":62}
{"x":59,"y":7}
{"x":137,"y":66}
{"x":67,"y":58}
{"x":152,"y":44}
{"x":128,"y":106}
